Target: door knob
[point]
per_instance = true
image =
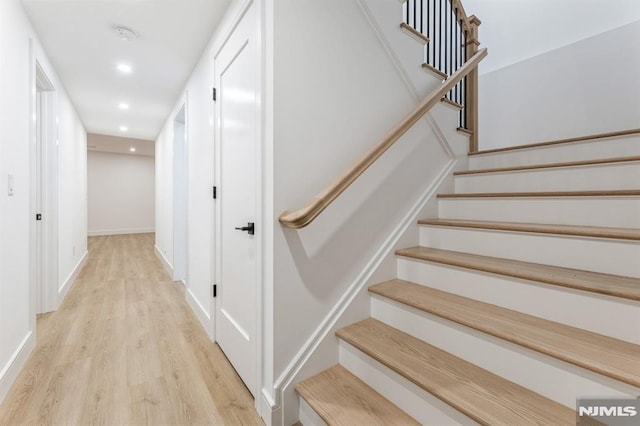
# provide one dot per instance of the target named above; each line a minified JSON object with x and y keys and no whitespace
{"x":250,"y":228}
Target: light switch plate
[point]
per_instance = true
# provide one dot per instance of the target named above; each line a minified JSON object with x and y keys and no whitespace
{"x":10,"y":180}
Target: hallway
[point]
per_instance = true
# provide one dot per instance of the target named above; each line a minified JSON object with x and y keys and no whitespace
{"x":124,"y":348}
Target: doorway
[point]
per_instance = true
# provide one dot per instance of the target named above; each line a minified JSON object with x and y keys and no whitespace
{"x":45,"y":201}
{"x":180,"y":195}
{"x":237,"y":230}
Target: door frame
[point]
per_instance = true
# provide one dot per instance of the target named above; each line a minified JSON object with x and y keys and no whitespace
{"x":43,"y":195}
{"x":260,"y":223}
{"x":181,"y":167}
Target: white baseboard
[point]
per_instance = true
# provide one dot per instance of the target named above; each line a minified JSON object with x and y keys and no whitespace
{"x":165,"y":262}
{"x":270,"y":413}
{"x":10,"y":371}
{"x":200,"y":311}
{"x":62,"y":291}
{"x":121,"y":231}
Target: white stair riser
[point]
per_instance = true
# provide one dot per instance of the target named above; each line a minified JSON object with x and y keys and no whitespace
{"x":308,"y":416}
{"x":601,"y":314}
{"x":601,"y":177}
{"x":615,"y":212}
{"x":552,"y":378}
{"x":609,"y":256}
{"x":413,"y":400}
{"x":445,"y":119}
{"x":625,"y":146}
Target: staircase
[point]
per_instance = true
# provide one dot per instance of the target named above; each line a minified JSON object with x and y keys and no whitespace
{"x":523,"y":296}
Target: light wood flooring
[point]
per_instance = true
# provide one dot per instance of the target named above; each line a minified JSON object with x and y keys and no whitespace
{"x":124,"y":348}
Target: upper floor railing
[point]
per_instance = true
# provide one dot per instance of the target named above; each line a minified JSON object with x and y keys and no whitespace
{"x":453,"y":38}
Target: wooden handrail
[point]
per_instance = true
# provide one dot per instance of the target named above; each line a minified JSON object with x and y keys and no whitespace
{"x":304,"y":216}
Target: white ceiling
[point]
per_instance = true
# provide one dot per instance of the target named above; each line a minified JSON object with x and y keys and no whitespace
{"x":83,"y":48}
{"x":79,"y":39}
{"x":119,"y":145}
{"x":515,"y":30}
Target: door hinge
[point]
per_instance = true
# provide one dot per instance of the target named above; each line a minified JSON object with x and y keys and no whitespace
{"x":215,"y":192}
{"x":215,"y":94}
{"x":215,"y":290}
{"x":38,"y":216}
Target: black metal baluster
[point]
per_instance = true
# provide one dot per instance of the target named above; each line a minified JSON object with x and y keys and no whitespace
{"x":459,"y":44}
{"x":427,"y":33}
{"x":446,"y":30}
{"x":414,"y":14}
{"x":456,"y":50}
{"x":440,"y":39}
{"x":450,"y":38}
{"x":433,"y":33}
{"x":406,"y":12}
{"x":464,"y":90}
{"x":421,"y":15}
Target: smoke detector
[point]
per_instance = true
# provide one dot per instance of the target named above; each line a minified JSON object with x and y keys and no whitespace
{"x":124,"y":33}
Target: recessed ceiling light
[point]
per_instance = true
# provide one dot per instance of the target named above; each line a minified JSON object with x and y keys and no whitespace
{"x":123,"y":105}
{"x":124,"y":68}
{"x":132,"y":149}
{"x":123,"y":128}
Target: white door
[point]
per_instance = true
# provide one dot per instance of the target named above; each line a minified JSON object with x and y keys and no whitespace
{"x":41,"y":293}
{"x":236,"y":76}
{"x":45,"y":267}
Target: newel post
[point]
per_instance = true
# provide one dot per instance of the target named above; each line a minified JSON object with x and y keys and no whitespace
{"x":472,"y":84}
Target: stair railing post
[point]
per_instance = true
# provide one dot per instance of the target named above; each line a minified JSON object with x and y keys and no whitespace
{"x":472,"y":85}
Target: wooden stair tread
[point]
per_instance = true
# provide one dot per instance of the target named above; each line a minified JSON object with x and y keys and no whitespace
{"x":550,"y":165}
{"x":450,"y":102}
{"x":430,"y":68}
{"x":340,"y":398}
{"x":417,"y":35}
{"x":602,"y":354}
{"x":580,"y":231}
{"x":560,"y":141}
{"x":614,"y":193}
{"x":595,"y":282}
{"x":479,"y":394}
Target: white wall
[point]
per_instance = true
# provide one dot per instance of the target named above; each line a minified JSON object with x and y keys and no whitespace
{"x":518,"y":30}
{"x":17,"y":310}
{"x":164,"y":193}
{"x":584,"y":88}
{"x":121,"y":193}
{"x":179,"y":198}
{"x":72,"y":191}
